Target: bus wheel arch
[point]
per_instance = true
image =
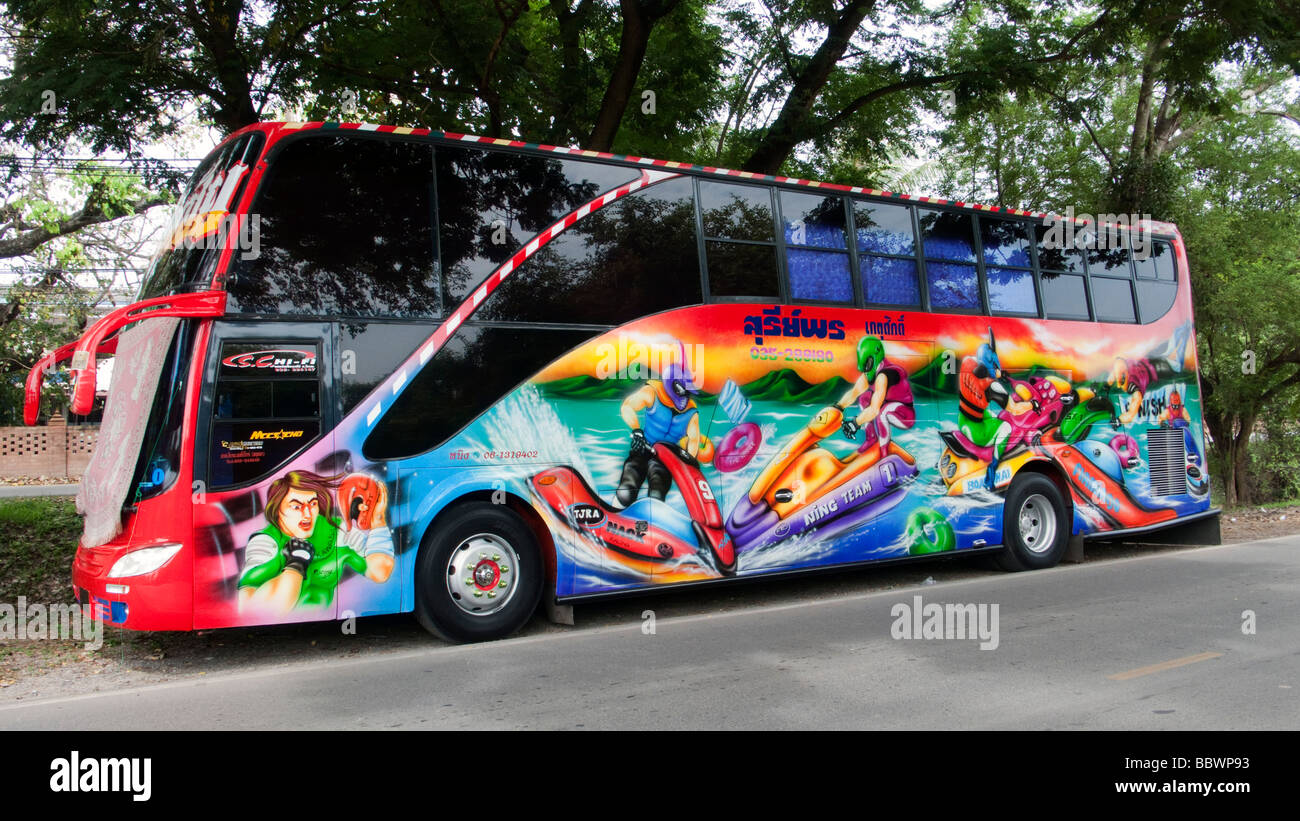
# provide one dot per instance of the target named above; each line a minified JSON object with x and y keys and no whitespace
{"x":481,"y":568}
{"x":1037,"y":518}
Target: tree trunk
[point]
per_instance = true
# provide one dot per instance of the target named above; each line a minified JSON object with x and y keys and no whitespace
{"x":1241,"y":459}
{"x":638,"y":21}
{"x":573,"y":91}
{"x":790,"y":125}
{"x":1221,"y":432}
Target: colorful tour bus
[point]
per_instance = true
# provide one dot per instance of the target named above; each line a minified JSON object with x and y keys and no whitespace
{"x":378,"y":370}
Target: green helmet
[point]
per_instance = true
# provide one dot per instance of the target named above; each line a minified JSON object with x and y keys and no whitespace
{"x":871,"y":352}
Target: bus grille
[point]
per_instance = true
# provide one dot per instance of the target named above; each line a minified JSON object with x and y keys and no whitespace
{"x":1167,"y":461}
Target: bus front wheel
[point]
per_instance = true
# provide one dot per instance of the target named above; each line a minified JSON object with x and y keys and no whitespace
{"x":479,"y":574}
{"x":1035,"y":524}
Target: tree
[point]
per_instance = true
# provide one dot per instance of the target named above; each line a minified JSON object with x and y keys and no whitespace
{"x":876,"y":65}
{"x":59,"y":277}
{"x":1182,"y":46}
{"x":1227,"y":177}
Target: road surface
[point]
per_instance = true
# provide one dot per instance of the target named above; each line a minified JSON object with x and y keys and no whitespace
{"x":1204,"y":638}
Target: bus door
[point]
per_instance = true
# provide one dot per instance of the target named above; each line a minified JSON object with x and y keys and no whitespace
{"x":267,"y":476}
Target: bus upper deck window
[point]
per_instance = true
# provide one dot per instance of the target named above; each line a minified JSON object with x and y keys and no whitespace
{"x":886,"y":241}
{"x":741,"y":240}
{"x":948,"y":240}
{"x":817,"y":259}
{"x":346,"y":229}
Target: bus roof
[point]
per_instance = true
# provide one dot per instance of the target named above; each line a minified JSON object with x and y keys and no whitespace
{"x":277,"y":130}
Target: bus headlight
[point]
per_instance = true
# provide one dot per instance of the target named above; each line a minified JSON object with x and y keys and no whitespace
{"x":144,"y":560}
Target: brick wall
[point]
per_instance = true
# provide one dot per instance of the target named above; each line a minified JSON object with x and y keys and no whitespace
{"x":54,"y":450}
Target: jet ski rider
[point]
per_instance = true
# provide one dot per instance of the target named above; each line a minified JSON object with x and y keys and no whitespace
{"x":662,"y":410}
{"x":883,"y":392}
{"x":980,"y":384}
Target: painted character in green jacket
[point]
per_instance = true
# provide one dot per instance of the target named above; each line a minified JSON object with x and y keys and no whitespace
{"x":300,"y":557}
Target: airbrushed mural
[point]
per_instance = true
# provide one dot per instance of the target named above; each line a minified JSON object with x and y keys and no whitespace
{"x":730,"y":440}
{"x":787,"y":438}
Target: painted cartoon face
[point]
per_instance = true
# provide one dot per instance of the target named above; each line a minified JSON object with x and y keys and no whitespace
{"x":298,"y":513}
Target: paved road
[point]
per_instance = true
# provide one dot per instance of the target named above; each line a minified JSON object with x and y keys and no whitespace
{"x":1150,"y":642}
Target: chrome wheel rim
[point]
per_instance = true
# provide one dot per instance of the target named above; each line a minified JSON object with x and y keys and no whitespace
{"x":482,"y":574}
{"x":1037,"y":520}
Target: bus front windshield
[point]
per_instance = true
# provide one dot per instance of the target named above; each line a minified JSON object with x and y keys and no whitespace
{"x":197,"y":233}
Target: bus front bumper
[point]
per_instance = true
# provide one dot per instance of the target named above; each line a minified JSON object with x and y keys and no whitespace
{"x":158,"y":599}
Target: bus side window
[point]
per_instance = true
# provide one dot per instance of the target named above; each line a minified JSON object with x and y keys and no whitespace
{"x":816,"y":255}
{"x":475,"y":369}
{"x":948,"y":240}
{"x":633,"y":257}
{"x":740,"y":240}
{"x":1156,"y":283}
{"x":1008,"y":268}
{"x":1113,"y":299}
{"x":1110,"y":273}
{"x":491,"y":203}
{"x":886,"y":253}
{"x":1062,"y":273}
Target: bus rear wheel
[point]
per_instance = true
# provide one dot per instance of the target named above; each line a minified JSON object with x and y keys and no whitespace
{"x":1035,"y":524}
{"x":479,"y":574}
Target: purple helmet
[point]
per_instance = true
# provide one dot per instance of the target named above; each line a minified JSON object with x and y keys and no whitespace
{"x":678,"y":380}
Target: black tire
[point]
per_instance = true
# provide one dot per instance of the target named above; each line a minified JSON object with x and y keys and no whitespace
{"x":470,"y":528}
{"x":1042,"y":542}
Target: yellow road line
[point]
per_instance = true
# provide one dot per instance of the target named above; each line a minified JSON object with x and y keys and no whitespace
{"x":1162,"y":666}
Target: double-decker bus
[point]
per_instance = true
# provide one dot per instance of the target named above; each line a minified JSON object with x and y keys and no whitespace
{"x":379,"y":370}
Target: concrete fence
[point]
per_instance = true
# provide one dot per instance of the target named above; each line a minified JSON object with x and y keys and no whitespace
{"x":55,"y":450}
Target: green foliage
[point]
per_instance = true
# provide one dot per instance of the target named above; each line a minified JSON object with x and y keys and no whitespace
{"x":1274,"y":474}
{"x":41,"y":535}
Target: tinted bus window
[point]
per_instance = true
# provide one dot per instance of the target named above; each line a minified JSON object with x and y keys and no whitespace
{"x":1055,"y":252}
{"x":1064,"y":296}
{"x":265,"y":409}
{"x":1156,"y":281}
{"x":378,"y":348}
{"x":736,"y":211}
{"x":815,"y":229}
{"x":739,"y":212}
{"x":1112,"y":260}
{"x":1157,"y":263}
{"x":1008,"y":274}
{"x":889,"y":281}
{"x":475,"y":369}
{"x":884,"y":229}
{"x":492,"y":203}
{"x":346,"y":229}
{"x":1005,"y":242}
{"x":886,"y":253}
{"x":813,"y":221}
{"x":948,"y":240}
{"x":1011,"y":290}
{"x":1155,"y":298}
{"x":217,"y":183}
{"x":636,"y":256}
{"x":1113,"y":299}
{"x":737,"y":270}
{"x":947,"y":235}
{"x":823,"y":276}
